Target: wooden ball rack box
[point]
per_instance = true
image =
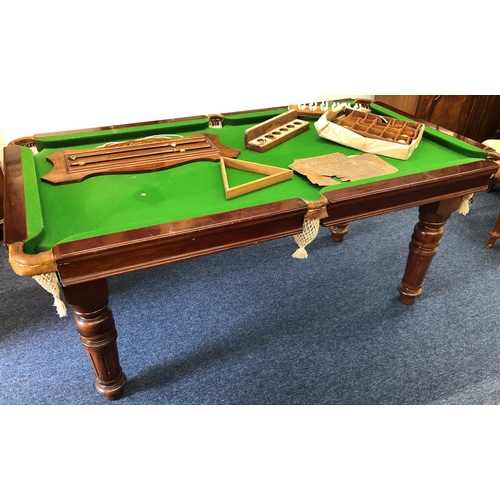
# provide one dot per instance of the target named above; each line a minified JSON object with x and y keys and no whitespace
{"x":370,"y":133}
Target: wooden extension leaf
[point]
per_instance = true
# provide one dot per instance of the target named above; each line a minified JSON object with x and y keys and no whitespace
{"x":274,"y":175}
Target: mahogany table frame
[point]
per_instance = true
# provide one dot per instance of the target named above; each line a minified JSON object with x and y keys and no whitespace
{"x":84,"y":266}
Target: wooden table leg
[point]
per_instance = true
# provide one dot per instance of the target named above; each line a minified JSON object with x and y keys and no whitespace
{"x":96,"y":326}
{"x":338,"y":232}
{"x":424,"y":245}
{"x":494,"y":233}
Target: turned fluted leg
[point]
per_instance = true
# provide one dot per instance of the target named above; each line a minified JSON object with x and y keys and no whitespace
{"x":95,"y":324}
{"x":494,"y":233}
{"x":338,"y":232}
{"x":424,"y":245}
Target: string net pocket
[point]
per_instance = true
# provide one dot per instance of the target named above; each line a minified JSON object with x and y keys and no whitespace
{"x":50,"y":283}
{"x":309,"y":232}
{"x":465,"y":205}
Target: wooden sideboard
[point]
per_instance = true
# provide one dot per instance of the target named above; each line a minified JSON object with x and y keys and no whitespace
{"x":1,"y":201}
{"x":474,"y":116}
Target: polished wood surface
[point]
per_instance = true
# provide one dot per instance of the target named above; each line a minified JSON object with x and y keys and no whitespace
{"x":450,"y":111}
{"x":1,"y":199}
{"x":494,"y":233}
{"x":424,"y":245}
{"x":406,"y":103}
{"x":145,"y":155}
{"x":473,"y":116}
{"x":118,"y":253}
{"x":26,"y":264}
{"x":96,"y":327}
{"x":275,"y":131}
{"x":15,"y":213}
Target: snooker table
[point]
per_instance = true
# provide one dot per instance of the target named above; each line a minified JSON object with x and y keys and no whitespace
{"x":86,"y":231}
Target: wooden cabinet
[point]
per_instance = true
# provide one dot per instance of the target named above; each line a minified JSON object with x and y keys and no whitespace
{"x":407,"y":103}
{"x":474,"y":116}
{"x":1,"y":202}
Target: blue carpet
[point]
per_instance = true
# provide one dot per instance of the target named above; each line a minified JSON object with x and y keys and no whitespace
{"x":254,"y":326}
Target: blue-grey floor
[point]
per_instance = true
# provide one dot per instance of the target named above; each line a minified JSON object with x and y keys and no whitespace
{"x":255,"y":326}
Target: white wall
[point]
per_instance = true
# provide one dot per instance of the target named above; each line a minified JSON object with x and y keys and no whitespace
{"x":57,"y":113}
{"x":83,"y":64}
{"x":69,"y":66}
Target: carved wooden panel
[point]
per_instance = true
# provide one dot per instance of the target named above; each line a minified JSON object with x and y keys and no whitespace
{"x":452,"y":112}
{"x":144,"y":155}
{"x":1,"y":200}
{"x":474,"y":116}
{"x":406,"y":103}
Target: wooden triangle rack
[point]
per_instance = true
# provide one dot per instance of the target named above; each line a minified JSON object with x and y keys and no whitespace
{"x":273,"y":175}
